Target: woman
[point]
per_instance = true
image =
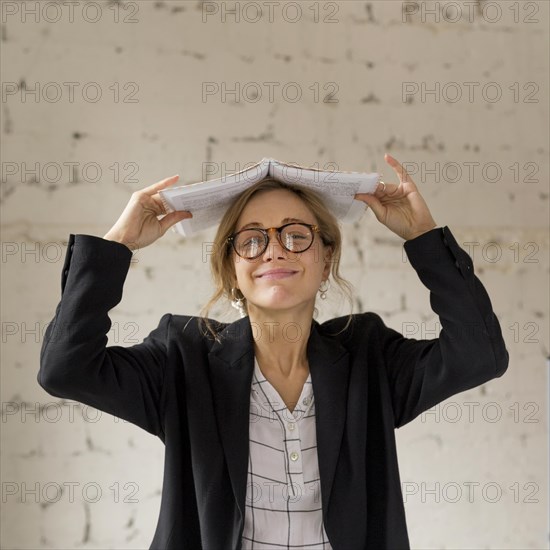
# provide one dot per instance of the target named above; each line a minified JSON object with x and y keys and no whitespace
{"x":279,"y":431}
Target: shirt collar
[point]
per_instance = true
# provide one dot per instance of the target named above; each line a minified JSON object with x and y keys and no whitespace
{"x":261,"y":389}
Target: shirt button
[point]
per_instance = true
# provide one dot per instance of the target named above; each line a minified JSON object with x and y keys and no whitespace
{"x":306,"y":401}
{"x":291,"y":425}
{"x":294,"y":456}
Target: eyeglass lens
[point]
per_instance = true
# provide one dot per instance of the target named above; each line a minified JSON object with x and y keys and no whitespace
{"x":251,"y":242}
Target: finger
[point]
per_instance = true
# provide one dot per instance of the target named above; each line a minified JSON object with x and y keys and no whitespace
{"x":388,"y":189}
{"x":160,"y":184}
{"x":371,"y":201}
{"x":152,"y":203}
{"x":159,"y":203}
{"x":399,"y":170}
{"x":173,"y":218}
{"x":381,"y":191}
{"x":363,"y":197}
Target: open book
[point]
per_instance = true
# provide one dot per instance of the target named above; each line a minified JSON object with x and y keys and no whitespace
{"x":208,"y":200}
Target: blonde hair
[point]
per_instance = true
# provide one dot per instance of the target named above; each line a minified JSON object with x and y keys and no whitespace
{"x":221,"y":261}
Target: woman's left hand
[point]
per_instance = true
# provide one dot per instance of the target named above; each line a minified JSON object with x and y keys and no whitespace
{"x":400,"y":208}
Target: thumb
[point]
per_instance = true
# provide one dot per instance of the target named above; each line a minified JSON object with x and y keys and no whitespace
{"x":375,"y":205}
{"x":174,"y":217}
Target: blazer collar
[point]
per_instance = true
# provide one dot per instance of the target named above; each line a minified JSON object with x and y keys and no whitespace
{"x":231,"y":364}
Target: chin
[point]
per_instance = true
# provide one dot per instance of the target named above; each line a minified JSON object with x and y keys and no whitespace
{"x":278,"y":302}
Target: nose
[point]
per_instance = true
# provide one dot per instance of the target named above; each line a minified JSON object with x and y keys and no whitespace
{"x":272,"y":245}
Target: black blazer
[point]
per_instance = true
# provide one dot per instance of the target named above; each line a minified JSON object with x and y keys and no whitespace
{"x":194,"y":392}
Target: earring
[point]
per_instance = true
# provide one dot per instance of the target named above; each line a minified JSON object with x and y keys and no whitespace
{"x":324,"y":290}
{"x":237,"y":303}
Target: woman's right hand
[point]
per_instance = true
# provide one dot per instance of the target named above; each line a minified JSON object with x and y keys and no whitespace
{"x":138,"y":225}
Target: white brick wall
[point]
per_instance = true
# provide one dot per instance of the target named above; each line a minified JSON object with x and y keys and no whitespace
{"x":369,"y":54}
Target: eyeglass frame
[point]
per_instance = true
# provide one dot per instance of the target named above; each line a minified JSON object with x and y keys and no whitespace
{"x":312,"y":227}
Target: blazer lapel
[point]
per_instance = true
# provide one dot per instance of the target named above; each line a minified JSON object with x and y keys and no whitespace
{"x":329,"y":367}
{"x":231,"y":363}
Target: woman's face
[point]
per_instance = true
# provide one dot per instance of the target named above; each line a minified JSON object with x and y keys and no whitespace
{"x":272,"y":208}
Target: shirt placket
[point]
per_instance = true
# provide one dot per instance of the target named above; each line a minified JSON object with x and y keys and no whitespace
{"x":291,"y":426}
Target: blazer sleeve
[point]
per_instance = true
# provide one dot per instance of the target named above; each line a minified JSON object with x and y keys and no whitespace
{"x":75,"y":361}
{"x":470,"y":349}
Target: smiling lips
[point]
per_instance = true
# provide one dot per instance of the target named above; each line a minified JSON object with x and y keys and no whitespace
{"x":276,"y":274}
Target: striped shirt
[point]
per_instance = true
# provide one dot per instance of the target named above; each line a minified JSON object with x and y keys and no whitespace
{"x":283,"y":492}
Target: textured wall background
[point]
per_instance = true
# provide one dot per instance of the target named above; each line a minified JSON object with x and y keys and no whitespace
{"x":475,"y":469}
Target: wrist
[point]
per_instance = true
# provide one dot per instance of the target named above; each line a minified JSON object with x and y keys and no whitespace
{"x":418,"y":233}
{"x":115,"y":238}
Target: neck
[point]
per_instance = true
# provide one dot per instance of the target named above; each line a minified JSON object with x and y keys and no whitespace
{"x":280,"y":339}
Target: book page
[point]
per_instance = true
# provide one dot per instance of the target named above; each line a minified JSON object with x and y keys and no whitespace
{"x":337,"y":187}
{"x":208,"y":200}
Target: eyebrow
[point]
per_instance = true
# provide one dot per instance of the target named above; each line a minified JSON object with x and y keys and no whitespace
{"x":258,"y":224}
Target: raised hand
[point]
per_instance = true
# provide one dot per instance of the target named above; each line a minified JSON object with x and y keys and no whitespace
{"x":138,"y":225}
{"x":401,"y":207}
